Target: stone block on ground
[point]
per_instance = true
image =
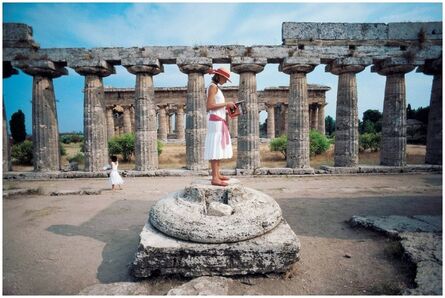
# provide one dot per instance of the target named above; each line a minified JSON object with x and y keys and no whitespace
{"x":275,"y":251}
{"x":203,"y":286}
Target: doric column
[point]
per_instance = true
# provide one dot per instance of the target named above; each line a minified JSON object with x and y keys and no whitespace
{"x":45,"y":130}
{"x":286,"y":118}
{"x":346,"y":119}
{"x":196,"y":116}
{"x":180,"y":132}
{"x":434,"y":134}
{"x":248,"y":123}
{"x":133,"y":120}
{"x":162,"y":113}
{"x":169,"y":123}
{"x":233,"y":127}
{"x":321,"y":124}
{"x":95,"y":129}
{"x":270,"y":121}
{"x":146,"y":150}
{"x":127,"y":119}
{"x":298,"y":150}
{"x":110,"y":123}
{"x":8,"y":71}
{"x":314,"y":122}
{"x":393,"y":145}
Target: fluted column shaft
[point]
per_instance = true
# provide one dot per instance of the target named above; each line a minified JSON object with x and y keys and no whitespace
{"x":7,"y":165}
{"x":346,"y":119}
{"x":146,"y":153}
{"x":45,"y":131}
{"x":196,"y":122}
{"x":233,"y":127}
{"x":298,"y":152}
{"x":321,"y":123}
{"x":110,"y":123}
{"x":434,"y":135}
{"x":162,"y":123}
{"x":270,"y":122}
{"x":127,"y":120}
{"x":95,"y":129}
{"x":315,"y":117}
{"x":180,"y":132}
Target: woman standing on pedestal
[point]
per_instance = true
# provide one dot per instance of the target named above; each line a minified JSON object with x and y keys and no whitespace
{"x":217,"y":144}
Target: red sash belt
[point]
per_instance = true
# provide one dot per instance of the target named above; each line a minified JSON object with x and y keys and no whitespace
{"x":225,"y":129}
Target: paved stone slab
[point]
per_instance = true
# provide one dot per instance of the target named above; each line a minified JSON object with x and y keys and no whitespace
{"x":275,"y":251}
{"x":19,"y":192}
{"x":421,"y":240}
{"x":203,"y":286}
{"x":394,"y":224}
{"x":424,"y":250}
{"x":117,"y":289}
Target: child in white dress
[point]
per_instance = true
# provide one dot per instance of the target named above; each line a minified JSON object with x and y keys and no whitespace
{"x":115,"y":178}
{"x":217,"y":144}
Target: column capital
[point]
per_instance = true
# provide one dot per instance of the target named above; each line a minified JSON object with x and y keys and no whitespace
{"x":431,"y":67}
{"x":143,"y":65}
{"x":298,"y":64}
{"x":392,"y":66}
{"x":194,"y":64}
{"x":100,"y":68}
{"x":347,"y":65}
{"x":41,"y":68}
{"x":247,"y":64}
{"x":8,"y":70}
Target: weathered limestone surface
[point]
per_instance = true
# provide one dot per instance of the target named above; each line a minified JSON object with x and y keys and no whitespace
{"x":205,"y":285}
{"x":421,"y":240}
{"x":214,"y":230}
{"x":270,"y":122}
{"x":6,"y":161}
{"x":298,"y":150}
{"x":424,"y":250}
{"x":158,"y":253}
{"x":185,"y":215}
{"x":162,"y":123}
{"x":248,"y":156}
{"x":434,"y":136}
{"x":196,"y":117}
{"x":359,"y":31}
{"x":117,"y":289}
{"x":346,"y":120}
{"x":146,"y":154}
{"x":393,"y":146}
{"x":180,"y":132}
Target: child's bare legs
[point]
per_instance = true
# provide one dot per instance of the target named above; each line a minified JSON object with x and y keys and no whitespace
{"x":120,"y":186}
{"x":216,"y":180}
{"x":112,"y":187}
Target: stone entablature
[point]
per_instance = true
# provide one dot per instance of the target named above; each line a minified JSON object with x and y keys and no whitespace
{"x":392,"y":49}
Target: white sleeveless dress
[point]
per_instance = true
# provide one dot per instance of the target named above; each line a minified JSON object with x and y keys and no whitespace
{"x":115,"y":178}
{"x":213,"y":143}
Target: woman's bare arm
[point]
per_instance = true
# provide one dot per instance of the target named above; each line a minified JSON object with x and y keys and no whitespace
{"x":211,"y":104}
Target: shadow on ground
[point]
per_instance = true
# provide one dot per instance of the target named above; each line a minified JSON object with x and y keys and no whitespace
{"x":118,"y":227}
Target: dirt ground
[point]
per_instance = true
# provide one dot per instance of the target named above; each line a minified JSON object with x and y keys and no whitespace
{"x":60,"y":245}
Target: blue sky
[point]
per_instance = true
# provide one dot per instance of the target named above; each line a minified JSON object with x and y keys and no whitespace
{"x":90,"y":25}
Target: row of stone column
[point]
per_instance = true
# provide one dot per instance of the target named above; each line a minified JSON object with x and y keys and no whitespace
{"x":393,"y":151}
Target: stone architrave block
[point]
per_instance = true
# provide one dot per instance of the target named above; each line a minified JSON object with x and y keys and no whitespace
{"x":158,"y":253}
{"x":16,"y":35}
{"x":249,"y":60}
{"x":412,"y":31}
{"x":334,"y":31}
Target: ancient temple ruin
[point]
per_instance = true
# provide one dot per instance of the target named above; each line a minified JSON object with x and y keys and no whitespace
{"x":392,"y":49}
{"x":171,"y":102}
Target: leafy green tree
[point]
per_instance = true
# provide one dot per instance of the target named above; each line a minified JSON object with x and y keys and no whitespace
{"x":17,"y":127}
{"x":372,"y":122}
{"x":22,"y":152}
{"x":370,"y":141}
{"x":279,"y":144}
{"x":329,"y":125}
{"x":318,"y":142}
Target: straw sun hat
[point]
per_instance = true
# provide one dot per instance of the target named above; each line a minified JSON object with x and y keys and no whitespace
{"x":222,"y":72}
